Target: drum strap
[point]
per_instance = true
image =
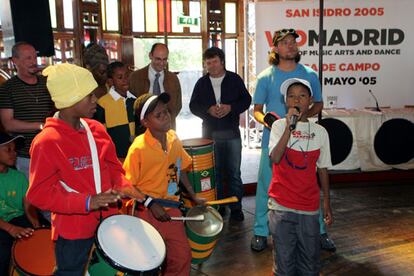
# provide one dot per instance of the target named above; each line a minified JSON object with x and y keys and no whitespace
{"x":95,"y":160}
{"x":94,"y":154}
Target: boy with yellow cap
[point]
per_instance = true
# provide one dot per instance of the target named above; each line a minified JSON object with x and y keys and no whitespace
{"x":74,"y":171}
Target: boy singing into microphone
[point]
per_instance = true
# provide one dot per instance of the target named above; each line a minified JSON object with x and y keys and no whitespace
{"x":298,"y":148}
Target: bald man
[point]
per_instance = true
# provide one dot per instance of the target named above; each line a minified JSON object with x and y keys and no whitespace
{"x":25,"y":101}
{"x":156,"y":79}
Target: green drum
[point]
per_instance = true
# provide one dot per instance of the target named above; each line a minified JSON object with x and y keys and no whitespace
{"x":202,"y":175}
{"x":203,"y":235}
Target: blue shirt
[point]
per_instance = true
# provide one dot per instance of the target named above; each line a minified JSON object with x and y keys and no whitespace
{"x":267,"y":90}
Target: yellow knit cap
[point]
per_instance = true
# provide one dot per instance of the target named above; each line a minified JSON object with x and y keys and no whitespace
{"x":68,"y":84}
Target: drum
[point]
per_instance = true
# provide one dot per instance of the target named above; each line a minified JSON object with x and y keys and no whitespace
{"x":203,"y":235}
{"x":126,"y":244}
{"x":201,"y":175}
{"x":34,"y":255}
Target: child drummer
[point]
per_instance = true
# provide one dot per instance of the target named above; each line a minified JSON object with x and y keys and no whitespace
{"x":74,"y":171}
{"x":155,"y":163}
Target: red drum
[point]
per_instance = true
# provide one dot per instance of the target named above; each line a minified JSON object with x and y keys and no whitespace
{"x":34,"y":255}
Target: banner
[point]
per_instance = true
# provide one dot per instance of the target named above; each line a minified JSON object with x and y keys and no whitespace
{"x":368,"y":48}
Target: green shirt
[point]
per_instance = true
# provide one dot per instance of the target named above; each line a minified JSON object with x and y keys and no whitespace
{"x":13,"y":187}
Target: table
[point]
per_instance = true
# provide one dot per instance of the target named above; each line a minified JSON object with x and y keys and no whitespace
{"x":378,"y":140}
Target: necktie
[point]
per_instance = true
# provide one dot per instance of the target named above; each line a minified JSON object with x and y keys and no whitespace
{"x":156,"y":89}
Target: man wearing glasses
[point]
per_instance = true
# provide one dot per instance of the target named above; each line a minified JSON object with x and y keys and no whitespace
{"x":156,"y":79}
{"x":284,"y":64}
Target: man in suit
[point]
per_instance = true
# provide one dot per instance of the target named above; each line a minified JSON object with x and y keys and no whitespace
{"x":156,"y":79}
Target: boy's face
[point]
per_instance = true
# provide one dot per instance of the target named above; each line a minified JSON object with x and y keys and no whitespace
{"x":298,"y":95}
{"x":8,"y":154}
{"x":159,"y":119}
{"x":86,"y":107}
{"x":119,"y":80}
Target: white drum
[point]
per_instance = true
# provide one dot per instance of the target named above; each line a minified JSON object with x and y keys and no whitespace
{"x":129,"y":244}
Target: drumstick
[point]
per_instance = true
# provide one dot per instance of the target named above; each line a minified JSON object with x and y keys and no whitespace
{"x":223,"y":201}
{"x":196,"y":218}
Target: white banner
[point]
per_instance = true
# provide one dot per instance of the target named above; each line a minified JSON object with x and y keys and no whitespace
{"x":369,"y":46}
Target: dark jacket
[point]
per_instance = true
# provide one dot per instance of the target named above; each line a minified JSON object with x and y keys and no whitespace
{"x":233,"y":92}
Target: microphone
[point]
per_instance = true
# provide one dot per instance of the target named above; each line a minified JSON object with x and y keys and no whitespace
{"x":376,"y":101}
{"x":294,"y":120}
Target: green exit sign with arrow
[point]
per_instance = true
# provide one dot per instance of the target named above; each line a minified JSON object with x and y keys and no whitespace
{"x":188,"y":20}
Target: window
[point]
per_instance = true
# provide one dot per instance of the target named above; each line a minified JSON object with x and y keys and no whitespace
{"x":68,"y":14}
{"x":52,"y":8}
{"x":231,"y":18}
{"x":110,"y":18}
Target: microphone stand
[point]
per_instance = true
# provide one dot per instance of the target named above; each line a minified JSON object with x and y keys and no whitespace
{"x":376,"y":101}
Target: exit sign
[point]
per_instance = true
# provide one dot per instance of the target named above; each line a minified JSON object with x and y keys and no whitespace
{"x":188,"y":20}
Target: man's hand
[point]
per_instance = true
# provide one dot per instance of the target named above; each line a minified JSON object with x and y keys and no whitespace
{"x":159,"y":212}
{"x":223,"y":110}
{"x":18,"y":232}
{"x":213,"y":111}
{"x":103,"y":199}
{"x":219,"y":110}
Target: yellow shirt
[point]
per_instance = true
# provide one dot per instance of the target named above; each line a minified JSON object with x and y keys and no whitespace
{"x":151,"y":168}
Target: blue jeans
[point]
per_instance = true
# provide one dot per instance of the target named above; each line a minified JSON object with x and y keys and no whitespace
{"x":260,"y":227}
{"x":72,"y":256}
{"x":296,"y":245}
{"x":227,"y":155}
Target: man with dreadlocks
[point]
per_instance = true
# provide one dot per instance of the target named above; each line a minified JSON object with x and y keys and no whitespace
{"x":96,"y":60}
{"x":284,"y":64}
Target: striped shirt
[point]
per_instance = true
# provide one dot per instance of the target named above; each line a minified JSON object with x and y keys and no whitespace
{"x":117,"y":114}
{"x":30,"y":103}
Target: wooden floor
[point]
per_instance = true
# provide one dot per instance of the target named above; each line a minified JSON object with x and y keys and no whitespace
{"x":373,"y":231}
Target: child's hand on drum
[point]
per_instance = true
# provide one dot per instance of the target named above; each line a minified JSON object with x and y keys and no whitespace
{"x":103,"y":199}
{"x":159,"y":212}
{"x":20,"y":232}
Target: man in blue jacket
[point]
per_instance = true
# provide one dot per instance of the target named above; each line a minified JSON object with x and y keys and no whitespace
{"x":218,"y":99}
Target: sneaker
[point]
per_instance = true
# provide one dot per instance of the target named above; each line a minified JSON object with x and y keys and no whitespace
{"x":258,"y":243}
{"x":327,"y":244}
{"x":237,"y":215}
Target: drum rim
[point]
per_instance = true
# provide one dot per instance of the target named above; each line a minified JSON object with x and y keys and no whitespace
{"x":209,"y":143}
{"x":115,"y":264}
{"x":216,"y":213}
{"x":13,"y":259}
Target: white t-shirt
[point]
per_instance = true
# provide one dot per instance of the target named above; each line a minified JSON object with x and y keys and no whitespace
{"x":216,"y":83}
{"x":307,"y":136}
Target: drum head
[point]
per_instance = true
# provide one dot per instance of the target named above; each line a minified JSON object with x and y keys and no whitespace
{"x":211,"y":225}
{"x":196,"y":142}
{"x":340,"y":139}
{"x":35,"y":255}
{"x":130,"y":244}
{"x":393,"y":141}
